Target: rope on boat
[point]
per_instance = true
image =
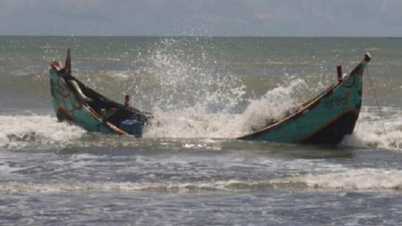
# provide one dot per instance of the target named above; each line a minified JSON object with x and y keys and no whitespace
{"x":378,"y":107}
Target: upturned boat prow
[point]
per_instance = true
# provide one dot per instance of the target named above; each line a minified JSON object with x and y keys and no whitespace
{"x":325,"y":119}
{"x":75,"y":102}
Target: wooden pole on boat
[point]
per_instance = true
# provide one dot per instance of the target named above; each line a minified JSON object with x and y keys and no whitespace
{"x":103,"y":113}
{"x":67,"y":66}
{"x":339,"y":71}
{"x":127,"y":101}
{"x":367,"y":57}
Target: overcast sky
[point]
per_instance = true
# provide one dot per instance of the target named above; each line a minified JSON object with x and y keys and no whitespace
{"x":350,"y":18}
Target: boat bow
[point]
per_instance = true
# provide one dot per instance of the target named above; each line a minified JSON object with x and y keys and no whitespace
{"x":325,"y":119}
{"x":75,"y":102}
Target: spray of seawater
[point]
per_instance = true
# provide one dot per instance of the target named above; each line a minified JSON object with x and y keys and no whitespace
{"x":374,"y":131}
{"x":272,"y":106}
{"x":360,"y":179}
{"x":22,"y":131}
{"x":353,"y":179}
{"x":190,"y":79}
{"x":192,"y":95}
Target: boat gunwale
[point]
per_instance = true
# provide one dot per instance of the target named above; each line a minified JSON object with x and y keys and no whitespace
{"x":307,"y":106}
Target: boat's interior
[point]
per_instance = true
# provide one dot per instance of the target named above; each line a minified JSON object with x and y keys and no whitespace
{"x":294,"y":110}
{"x":105,"y":108}
{"x":115,"y":112}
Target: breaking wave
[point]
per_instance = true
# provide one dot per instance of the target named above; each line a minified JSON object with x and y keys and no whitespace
{"x":361,"y":179}
{"x":22,"y":131}
{"x":192,"y":95}
{"x":19,"y":131}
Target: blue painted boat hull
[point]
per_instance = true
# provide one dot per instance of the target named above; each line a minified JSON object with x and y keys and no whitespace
{"x":325,"y":119}
{"x":71,"y":106}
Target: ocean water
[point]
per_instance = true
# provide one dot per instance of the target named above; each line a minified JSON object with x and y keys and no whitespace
{"x":188,"y":169}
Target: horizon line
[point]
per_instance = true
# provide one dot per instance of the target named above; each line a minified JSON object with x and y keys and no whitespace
{"x":190,"y":36}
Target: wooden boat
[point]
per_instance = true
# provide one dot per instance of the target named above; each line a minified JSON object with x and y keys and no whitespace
{"x":75,"y":102}
{"x":325,"y":119}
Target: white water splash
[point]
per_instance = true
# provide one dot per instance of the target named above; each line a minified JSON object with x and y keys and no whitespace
{"x":20,"y":131}
{"x":375,"y":131}
{"x":196,"y":122}
{"x":193,"y":123}
{"x":78,"y":186}
{"x":361,"y":179}
{"x":272,"y":106}
{"x":182,"y":80}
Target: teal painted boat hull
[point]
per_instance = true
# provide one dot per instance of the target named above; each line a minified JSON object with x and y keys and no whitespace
{"x":72,"y":107}
{"x":325,"y":119}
